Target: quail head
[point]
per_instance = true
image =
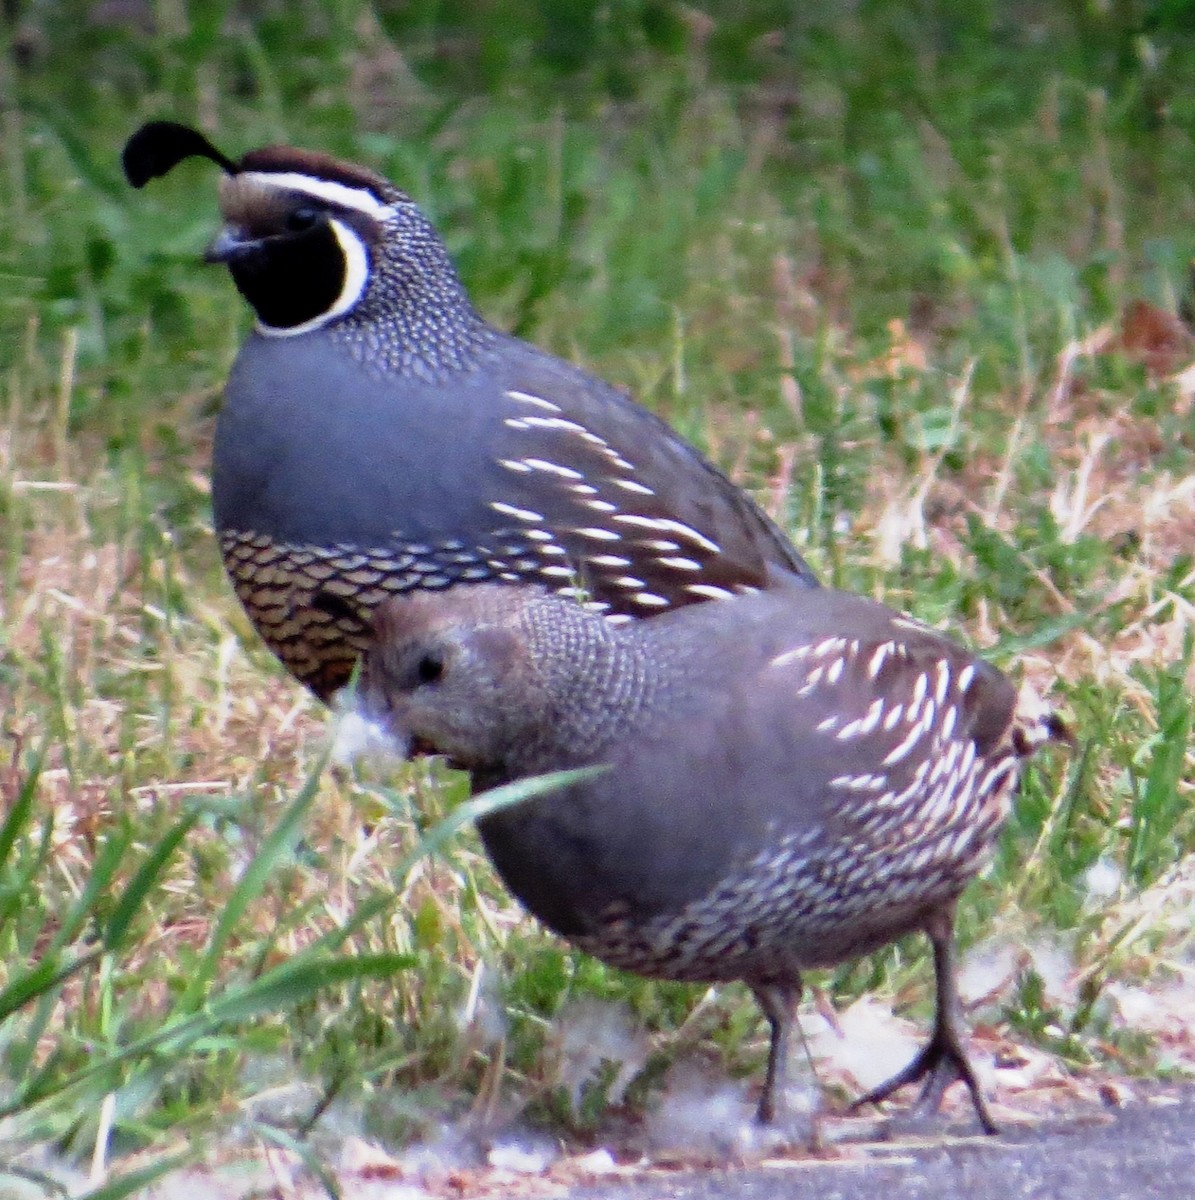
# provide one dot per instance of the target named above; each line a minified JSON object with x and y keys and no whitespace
{"x":795,"y":778}
{"x":378,"y":436}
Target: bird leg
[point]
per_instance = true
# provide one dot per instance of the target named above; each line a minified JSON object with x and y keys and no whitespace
{"x":779,"y":1004}
{"x":943,"y":1060}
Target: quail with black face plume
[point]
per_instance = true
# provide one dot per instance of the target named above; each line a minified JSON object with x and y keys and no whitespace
{"x":796,"y":778}
{"x":379,"y":437}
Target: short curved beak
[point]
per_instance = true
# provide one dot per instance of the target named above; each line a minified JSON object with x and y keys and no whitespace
{"x":229,"y":245}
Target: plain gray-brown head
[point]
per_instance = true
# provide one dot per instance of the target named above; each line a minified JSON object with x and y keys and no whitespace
{"x":312,"y":241}
{"x":452,"y":673}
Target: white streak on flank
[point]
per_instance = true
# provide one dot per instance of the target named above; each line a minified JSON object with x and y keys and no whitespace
{"x":621,"y":463}
{"x":782,"y":660}
{"x":557,"y":551}
{"x":356,"y":273}
{"x":519,"y":514}
{"x":342,"y":194}
{"x":597,"y":534}
{"x":877,"y":659}
{"x":894,"y":715}
{"x":968,"y":758}
{"x":609,"y":560}
{"x":899,"y":751}
{"x":826,"y":725}
{"x":834,"y":671}
{"x":583,"y":489}
{"x":943,"y":682}
{"x":680,"y":564}
{"x":664,"y":525}
{"x":812,"y":680}
{"x":949,"y":717}
{"x":542,"y":464}
{"x":514,"y":464}
{"x":528,"y":398}
{"x":631,"y":485}
{"x":944,"y":763}
{"x":709,"y":591}
{"x":566,"y":426}
{"x":539,"y":535}
{"x":872,"y":718}
{"x":662,"y":547}
{"x":556,"y":571}
{"x":858,"y":783}
{"x":629,"y":582}
{"x":966,"y":675}
{"x":515,"y":423}
{"x":602,"y":506}
{"x":650,"y":600}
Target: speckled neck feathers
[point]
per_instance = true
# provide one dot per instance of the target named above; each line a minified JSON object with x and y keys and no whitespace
{"x":415,"y":318}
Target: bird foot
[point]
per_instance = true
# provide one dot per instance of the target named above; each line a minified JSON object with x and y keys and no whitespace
{"x":940,"y":1063}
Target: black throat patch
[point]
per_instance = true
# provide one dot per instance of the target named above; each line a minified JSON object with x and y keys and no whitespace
{"x":291,"y":278}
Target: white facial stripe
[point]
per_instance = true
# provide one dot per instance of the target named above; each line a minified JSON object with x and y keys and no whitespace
{"x":363,"y":200}
{"x":356,"y":271}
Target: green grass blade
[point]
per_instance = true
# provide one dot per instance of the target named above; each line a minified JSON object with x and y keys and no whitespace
{"x":18,"y":816}
{"x":442,"y":832}
{"x":37,"y":981}
{"x":143,"y":881}
{"x":14,"y":896}
{"x":482,"y":806}
{"x":278,"y":844}
{"x":111,"y":853}
{"x":1159,"y":797}
{"x":293,"y":982}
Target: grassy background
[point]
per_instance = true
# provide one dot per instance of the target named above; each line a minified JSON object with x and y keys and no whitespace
{"x":912,"y":274}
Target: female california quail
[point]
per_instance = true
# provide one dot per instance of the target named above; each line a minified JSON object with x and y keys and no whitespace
{"x":378,"y":436}
{"x":796,"y":777}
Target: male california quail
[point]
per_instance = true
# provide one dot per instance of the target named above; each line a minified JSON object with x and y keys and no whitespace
{"x":378,"y":436}
{"x":796,"y":777}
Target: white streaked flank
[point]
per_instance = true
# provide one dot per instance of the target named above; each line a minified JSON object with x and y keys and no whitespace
{"x":538,"y":401}
{"x":709,"y":591}
{"x":632,"y":485}
{"x":519,"y":514}
{"x":542,"y":464}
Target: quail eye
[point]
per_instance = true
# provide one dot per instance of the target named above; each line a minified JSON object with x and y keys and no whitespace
{"x":430,"y":668}
{"x":300,"y":219}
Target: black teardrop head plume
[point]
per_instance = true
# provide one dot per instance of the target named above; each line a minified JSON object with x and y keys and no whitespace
{"x":159,"y":146}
